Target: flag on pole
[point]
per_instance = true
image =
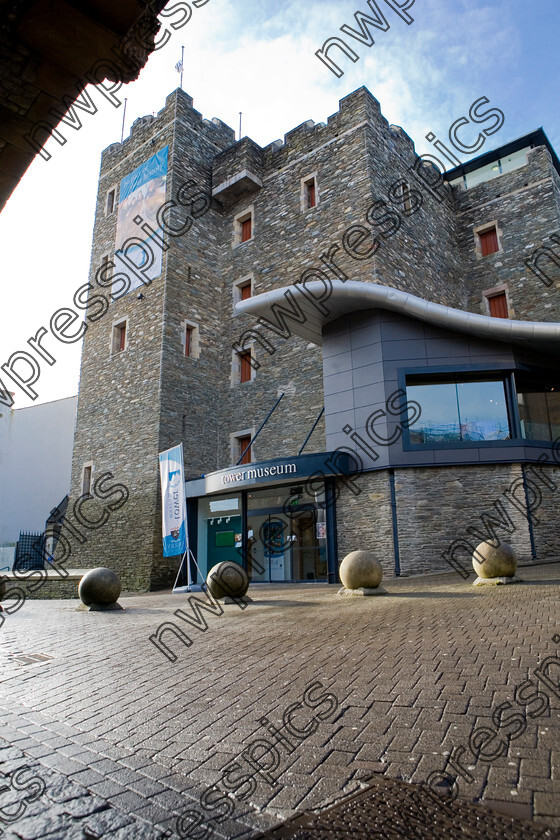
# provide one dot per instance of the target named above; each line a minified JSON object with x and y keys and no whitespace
{"x":173,"y":503}
{"x":179,"y":66}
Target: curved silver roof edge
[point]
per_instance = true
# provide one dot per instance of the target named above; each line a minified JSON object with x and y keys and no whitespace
{"x":354,"y":295}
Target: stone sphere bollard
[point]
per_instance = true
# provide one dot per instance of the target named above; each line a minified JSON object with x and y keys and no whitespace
{"x":361,"y":573}
{"x":227,"y":580}
{"x":494,"y":564}
{"x":100,"y":588}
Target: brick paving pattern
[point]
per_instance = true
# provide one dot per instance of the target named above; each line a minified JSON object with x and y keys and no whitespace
{"x":392,"y":810}
{"x":127,"y":741}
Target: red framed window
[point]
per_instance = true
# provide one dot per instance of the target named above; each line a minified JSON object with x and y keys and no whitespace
{"x":244,"y":442}
{"x":246,"y":230}
{"x":489,"y":242}
{"x":311,"y":193}
{"x":245,"y":291}
{"x":498,"y":305}
{"x":245,"y":361}
{"x":189,"y":336}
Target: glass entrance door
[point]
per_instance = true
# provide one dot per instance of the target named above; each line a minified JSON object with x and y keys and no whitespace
{"x":286,"y":534}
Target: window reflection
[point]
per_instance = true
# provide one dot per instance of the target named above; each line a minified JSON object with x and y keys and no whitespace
{"x":539,"y":409}
{"x":458,"y":411}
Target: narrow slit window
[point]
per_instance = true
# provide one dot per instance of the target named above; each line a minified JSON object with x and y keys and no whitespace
{"x":189,"y":340}
{"x":245,"y":291}
{"x":110,"y":206}
{"x":86,"y":481}
{"x":119,"y":338}
{"x":311,"y":193}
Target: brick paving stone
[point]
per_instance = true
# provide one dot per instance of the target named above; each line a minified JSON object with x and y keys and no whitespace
{"x":87,"y":777}
{"x":107,"y":788}
{"x":436,"y":675}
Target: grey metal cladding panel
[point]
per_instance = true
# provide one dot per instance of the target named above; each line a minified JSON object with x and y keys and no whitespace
{"x":364,"y":317}
{"x":340,"y":411}
{"x":403,"y":329}
{"x":493,"y":352}
{"x":452,"y":361}
{"x":432,"y":331}
{"x":369,"y":375}
{"x":337,"y":439}
{"x":366,"y":462}
{"x":364,"y":396}
{"x":340,"y":363}
{"x":413,"y":458}
{"x":335,"y":342}
{"x":506,"y":453}
{"x":384,"y":425}
{"x":411,"y":349}
{"x":367,"y":334}
{"x":367,"y":355}
{"x":336,"y":383}
{"x":454,"y":456}
{"x":436,"y":348}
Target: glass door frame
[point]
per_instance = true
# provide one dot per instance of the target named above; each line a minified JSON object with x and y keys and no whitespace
{"x":330,"y":520}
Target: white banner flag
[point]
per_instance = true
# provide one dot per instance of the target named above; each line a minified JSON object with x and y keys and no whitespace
{"x":173,"y":504}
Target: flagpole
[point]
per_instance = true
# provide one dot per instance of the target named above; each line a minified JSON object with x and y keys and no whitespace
{"x":123,"y":116}
{"x":182,"y":56}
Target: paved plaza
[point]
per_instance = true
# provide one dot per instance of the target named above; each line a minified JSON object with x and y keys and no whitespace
{"x":126,"y":741}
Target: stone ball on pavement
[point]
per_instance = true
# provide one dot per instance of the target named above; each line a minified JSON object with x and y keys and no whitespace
{"x":499,"y":561}
{"x":360,"y":569}
{"x":99,"y":586}
{"x":227,"y":580}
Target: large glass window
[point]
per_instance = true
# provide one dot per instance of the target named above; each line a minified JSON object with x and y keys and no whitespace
{"x":459,"y":411}
{"x":539,"y":408}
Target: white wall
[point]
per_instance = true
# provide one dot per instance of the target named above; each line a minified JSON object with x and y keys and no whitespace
{"x":35,"y":464}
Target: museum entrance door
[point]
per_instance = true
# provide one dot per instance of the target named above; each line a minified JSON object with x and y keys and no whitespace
{"x":286,"y":534}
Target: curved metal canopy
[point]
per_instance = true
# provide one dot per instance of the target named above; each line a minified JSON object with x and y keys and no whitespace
{"x":354,"y":296}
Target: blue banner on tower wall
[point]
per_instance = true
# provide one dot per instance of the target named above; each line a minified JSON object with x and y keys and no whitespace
{"x":173,"y":504}
{"x":138,"y":248}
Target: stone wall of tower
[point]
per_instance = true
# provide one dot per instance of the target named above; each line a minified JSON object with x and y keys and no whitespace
{"x":134,"y":404}
{"x":189,"y":399}
{"x":418,"y":239}
{"x":524,"y":203}
{"x":356,"y":158}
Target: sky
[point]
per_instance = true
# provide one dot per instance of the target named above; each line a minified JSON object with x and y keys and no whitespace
{"x":258,"y":57}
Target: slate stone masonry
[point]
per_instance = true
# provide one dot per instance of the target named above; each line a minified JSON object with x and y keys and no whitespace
{"x":150,"y":397}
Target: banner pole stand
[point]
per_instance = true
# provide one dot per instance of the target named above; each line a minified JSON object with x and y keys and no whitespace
{"x":190,"y":587}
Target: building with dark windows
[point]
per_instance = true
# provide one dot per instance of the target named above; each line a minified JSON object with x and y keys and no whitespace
{"x":355,"y":350}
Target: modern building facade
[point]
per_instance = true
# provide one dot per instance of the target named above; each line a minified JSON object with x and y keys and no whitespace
{"x":35,"y":464}
{"x":355,"y":351}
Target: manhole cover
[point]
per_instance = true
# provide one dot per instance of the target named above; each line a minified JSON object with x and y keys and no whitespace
{"x":394,"y":810}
